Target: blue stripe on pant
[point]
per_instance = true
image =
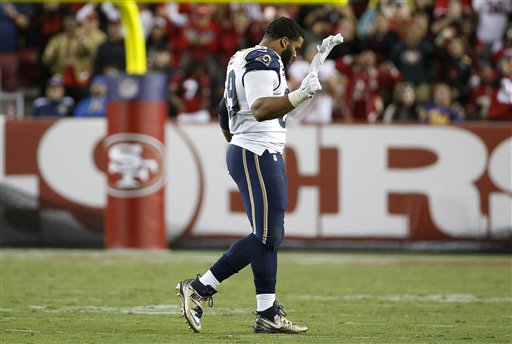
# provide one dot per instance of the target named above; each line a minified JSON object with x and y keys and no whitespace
{"x":263,"y":186}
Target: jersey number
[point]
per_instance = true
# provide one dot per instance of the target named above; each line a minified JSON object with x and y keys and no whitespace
{"x":232,"y":100}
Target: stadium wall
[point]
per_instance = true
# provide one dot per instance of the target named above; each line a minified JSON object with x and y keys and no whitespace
{"x":351,"y":186}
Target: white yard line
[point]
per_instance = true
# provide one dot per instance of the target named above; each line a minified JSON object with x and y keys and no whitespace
{"x":439,"y":298}
{"x":22,"y":330}
{"x":385,"y":324}
{"x":198,"y":256}
{"x":145,"y":310}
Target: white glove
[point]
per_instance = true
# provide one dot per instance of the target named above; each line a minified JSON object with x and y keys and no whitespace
{"x":309,"y":86}
{"x":323,"y":51}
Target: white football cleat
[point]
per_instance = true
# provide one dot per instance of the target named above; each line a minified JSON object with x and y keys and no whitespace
{"x":193,"y":303}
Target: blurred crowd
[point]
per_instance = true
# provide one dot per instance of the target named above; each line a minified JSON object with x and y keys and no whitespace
{"x":432,"y":61}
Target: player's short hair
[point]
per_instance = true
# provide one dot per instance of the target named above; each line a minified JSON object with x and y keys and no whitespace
{"x":284,"y":27}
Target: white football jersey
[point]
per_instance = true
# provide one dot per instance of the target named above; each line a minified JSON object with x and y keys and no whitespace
{"x":247,"y":132}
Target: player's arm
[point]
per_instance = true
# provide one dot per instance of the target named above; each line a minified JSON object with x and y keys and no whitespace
{"x":265,"y":107}
{"x":222,"y":112}
{"x":268,"y":108}
{"x":259,"y":86}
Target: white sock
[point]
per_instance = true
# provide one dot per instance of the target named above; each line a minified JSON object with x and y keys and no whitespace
{"x":264,"y":301}
{"x":209,"y":279}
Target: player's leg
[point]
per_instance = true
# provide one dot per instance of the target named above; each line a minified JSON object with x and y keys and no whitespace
{"x":264,"y":270}
{"x":265,"y":209}
{"x":194,"y":293}
{"x":270,"y":316}
{"x":271,"y":167}
{"x":243,"y":168}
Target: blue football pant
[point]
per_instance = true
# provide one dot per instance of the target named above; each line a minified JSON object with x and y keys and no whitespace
{"x":263,"y":186}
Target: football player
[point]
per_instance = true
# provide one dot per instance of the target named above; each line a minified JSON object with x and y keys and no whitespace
{"x":253,"y":119}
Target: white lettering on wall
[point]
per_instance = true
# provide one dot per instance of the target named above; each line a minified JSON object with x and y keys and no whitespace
{"x":366,"y":181}
{"x":66,"y":160}
{"x":363,"y":181}
{"x":500,"y":203}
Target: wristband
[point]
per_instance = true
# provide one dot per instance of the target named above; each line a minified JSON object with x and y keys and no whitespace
{"x":297,"y":97}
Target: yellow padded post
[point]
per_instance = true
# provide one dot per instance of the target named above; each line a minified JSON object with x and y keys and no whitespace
{"x":135,"y":46}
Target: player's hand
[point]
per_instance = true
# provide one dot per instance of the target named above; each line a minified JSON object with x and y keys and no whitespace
{"x":309,"y":86}
{"x":323,"y":51}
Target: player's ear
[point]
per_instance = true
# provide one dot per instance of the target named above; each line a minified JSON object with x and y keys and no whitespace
{"x":285,"y":42}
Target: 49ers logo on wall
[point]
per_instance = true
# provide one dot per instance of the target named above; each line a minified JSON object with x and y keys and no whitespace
{"x":136,"y":165}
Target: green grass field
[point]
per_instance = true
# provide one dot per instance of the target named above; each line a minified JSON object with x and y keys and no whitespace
{"x":83,"y":296}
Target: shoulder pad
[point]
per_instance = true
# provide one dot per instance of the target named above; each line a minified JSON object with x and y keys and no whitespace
{"x":262,"y":59}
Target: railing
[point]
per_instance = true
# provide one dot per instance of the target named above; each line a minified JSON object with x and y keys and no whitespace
{"x":12,"y":104}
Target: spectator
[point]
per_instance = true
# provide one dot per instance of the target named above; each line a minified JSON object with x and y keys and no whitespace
{"x":467,"y":32}
{"x":492,"y":23}
{"x":199,"y":40}
{"x":55,"y":104}
{"x":158,"y":36}
{"x":190,"y":94}
{"x":441,"y":110}
{"x":177,"y":16}
{"x":404,"y":106}
{"x":319,"y":109}
{"x":364,"y":83}
{"x":479,"y":99}
{"x":380,"y":39}
{"x":177,"y":13}
{"x":91,"y":35}
{"x":161,"y":61}
{"x":70,"y":54}
{"x":414,"y":57}
{"x":234,"y":34}
{"x":105,"y":11}
{"x":462,"y":31}
{"x":90,"y":32}
{"x":256,"y":29}
{"x":448,"y":18}
{"x":253,"y":11}
{"x":111,"y":56}
{"x":443,"y":7}
{"x":504,"y":46}
{"x":367,"y":23}
{"x":424,"y":6}
{"x":12,"y":21}
{"x":501,"y":99}
{"x":351,"y":43}
{"x":48,"y":22}
{"x":456,"y":20}
{"x":320,"y":28}
{"x":95,"y":105}
{"x":400,"y":16}
{"x":455,"y":69}
{"x":146,"y":18}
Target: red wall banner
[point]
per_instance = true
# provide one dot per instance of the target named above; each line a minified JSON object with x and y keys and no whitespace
{"x":391,"y":185}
